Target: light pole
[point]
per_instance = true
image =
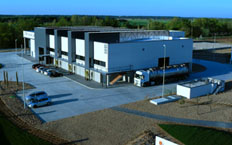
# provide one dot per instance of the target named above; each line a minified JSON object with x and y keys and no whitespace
{"x":24,"y":103}
{"x":16,"y":45}
{"x":164,"y":46}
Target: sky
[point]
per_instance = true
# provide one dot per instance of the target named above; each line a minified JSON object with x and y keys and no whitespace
{"x":180,"y":8}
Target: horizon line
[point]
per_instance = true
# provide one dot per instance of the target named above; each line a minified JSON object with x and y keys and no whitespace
{"x":110,"y":15}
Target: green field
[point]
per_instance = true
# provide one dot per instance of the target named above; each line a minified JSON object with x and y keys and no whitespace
{"x":192,"y":135}
{"x":12,"y":135}
{"x":144,"y":22}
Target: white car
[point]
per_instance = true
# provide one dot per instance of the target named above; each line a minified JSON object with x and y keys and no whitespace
{"x":48,"y":72}
{"x":38,"y":70}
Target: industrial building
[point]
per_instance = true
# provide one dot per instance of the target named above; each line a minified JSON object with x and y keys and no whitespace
{"x":107,"y":54}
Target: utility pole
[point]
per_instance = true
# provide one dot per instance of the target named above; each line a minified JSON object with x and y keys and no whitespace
{"x":192,"y":28}
{"x":16,"y":45}
{"x":24,"y":102}
{"x":164,"y":46}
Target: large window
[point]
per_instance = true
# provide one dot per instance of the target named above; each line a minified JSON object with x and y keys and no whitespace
{"x":80,"y":57}
{"x":64,"y":53}
{"x":50,"y":49}
{"x":41,"y":51}
{"x":98,"y":62}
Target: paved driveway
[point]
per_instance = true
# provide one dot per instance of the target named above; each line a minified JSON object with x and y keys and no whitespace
{"x":71,"y":99}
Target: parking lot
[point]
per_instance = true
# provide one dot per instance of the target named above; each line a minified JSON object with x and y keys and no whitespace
{"x":69,"y":98}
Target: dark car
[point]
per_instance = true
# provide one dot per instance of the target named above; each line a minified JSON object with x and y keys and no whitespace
{"x":55,"y":74}
{"x":35,"y":65}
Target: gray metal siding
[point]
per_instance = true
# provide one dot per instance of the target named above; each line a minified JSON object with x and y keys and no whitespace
{"x":87,"y":50}
{"x":141,"y":55}
{"x":40,"y":40}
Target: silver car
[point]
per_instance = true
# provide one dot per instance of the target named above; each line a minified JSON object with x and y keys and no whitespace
{"x":39,"y":101}
{"x":34,"y":95}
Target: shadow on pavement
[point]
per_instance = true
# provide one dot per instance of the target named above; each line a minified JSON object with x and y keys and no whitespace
{"x":46,"y":112}
{"x":63,"y":101}
{"x":60,"y":95}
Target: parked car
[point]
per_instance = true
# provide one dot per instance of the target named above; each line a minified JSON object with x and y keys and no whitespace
{"x":48,"y":72}
{"x":43,"y":70}
{"x":35,"y":65}
{"x":39,"y":101}
{"x":55,"y":74}
{"x":38,"y":69}
{"x":34,"y":95}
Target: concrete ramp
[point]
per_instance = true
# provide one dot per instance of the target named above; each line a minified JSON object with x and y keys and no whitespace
{"x":116,"y":79}
{"x":165,"y":100}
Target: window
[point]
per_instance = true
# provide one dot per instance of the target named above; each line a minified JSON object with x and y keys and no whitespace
{"x":101,"y":63}
{"x":139,"y":76}
{"x":41,"y":51}
{"x":50,"y":49}
{"x":80,"y":57}
{"x":64,"y":53}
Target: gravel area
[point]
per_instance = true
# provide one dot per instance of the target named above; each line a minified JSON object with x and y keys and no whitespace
{"x":213,"y":108}
{"x":102,"y":127}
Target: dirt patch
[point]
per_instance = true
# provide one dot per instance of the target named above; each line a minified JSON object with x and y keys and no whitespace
{"x":213,"y":108}
{"x":105,"y":127}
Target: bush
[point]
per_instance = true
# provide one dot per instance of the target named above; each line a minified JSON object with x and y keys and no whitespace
{"x":181,"y":101}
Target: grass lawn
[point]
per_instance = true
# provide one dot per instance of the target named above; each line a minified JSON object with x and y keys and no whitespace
{"x":12,"y":135}
{"x":192,"y":135}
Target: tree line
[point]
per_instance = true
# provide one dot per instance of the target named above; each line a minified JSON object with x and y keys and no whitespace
{"x":11,"y":27}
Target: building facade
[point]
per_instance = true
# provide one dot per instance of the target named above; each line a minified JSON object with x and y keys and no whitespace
{"x":106,"y":54}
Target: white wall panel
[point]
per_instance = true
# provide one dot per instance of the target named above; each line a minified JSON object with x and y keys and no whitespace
{"x":64,"y":65}
{"x":80,"y":70}
{"x":51,"y":41}
{"x":97,"y":77}
{"x":64,"y":44}
{"x":98,"y":67}
{"x":183,"y":91}
{"x":101,"y":51}
{"x":80,"y":62}
{"x":32,"y":43}
{"x":80,"y":47}
{"x":29,"y":34}
{"x":52,"y":53}
{"x":162,"y":141}
{"x":64,"y":57}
